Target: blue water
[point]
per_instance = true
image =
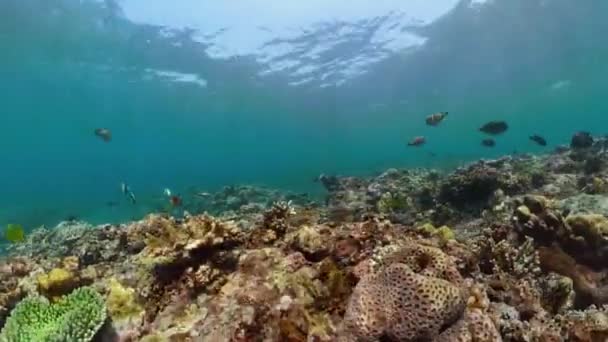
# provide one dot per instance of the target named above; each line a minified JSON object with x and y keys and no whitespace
{"x":68,"y":67}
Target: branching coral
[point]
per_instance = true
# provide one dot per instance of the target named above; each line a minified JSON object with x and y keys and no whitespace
{"x":75,"y":318}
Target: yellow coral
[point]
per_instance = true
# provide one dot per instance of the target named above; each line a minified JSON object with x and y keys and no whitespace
{"x":444,"y":233}
{"x":427,"y":229}
{"x":121,"y":301}
{"x":57,"y":282}
{"x":308,"y":240}
{"x":592,"y":227}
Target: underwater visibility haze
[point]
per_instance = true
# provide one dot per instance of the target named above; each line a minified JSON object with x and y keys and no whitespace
{"x":319,"y":170}
{"x":206,"y":95}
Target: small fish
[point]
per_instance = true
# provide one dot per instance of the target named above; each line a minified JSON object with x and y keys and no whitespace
{"x":538,"y":139}
{"x":488,"y":142}
{"x":494,"y":127}
{"x":14,"y":233}
{"x":202,"y":194}
{"x":175,"y":201}
{"x":581,"y":140}
{"x":104,"y":134}
{"x":436,"y":118}
{"x":417,"y":141}
{"x":127,"y":192}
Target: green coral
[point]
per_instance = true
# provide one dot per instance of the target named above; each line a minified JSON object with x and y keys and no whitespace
{"x":74,"y":318}
{"x":389,"y":203}
{"x":121,"y":301}
{"x":443,"y":233}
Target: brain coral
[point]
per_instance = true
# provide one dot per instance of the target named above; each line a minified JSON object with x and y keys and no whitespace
{"x":402,"y":305}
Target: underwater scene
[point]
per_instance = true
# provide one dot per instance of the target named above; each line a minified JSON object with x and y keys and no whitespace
{"x":320,"y":170}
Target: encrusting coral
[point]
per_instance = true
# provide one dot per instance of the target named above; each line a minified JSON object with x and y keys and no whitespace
{"x":121,"y":301}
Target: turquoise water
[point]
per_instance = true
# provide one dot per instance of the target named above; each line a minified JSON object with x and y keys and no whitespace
{"x":68,"y":67}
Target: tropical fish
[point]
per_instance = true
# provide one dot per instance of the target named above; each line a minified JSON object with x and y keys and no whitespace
{"x":581,"y":139}
{"x":417,"y":141}
{"x":126,"y":190}
{"x":494,"y":127}
{"x":14,"y":233}
{"x":104,"y":134}
{"x":538,"y":139}
{"x":488,"y":142}
{"x":436,"y":118}
{"x":175,"y":201}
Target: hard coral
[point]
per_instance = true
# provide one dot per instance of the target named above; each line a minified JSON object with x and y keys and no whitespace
{"x":167,"y":236}
{"x":75,"y":318}
{"x":121,"y":301}
{"x":474,"y":186}
{"x":57,"y":282}
{"x":426,"y":260}
{"x":398,"y":303}
{"x":475,"y":326}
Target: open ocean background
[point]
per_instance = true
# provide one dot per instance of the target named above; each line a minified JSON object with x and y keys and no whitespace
{"x":274,"y":93}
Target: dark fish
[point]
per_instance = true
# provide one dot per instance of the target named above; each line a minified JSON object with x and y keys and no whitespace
{"x":581,"y":140}
{"x":488,"y":142}
{"x":494,"y":127}
{"x":436,"y":118}
{"x":104,"y":134}
{"x":538,"y":139}
{"x":417,"y":141}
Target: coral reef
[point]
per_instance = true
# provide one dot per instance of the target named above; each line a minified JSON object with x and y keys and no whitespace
{"x":513,"y":249}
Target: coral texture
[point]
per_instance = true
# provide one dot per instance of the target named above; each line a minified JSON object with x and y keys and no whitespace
{"x":76,"y":317}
